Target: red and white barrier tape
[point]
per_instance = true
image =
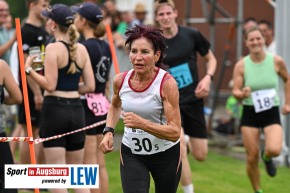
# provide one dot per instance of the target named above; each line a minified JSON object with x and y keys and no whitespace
{"x":40,"y":140}
{"x":6,"y":139}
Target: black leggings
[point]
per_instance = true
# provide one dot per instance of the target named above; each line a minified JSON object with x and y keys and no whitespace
{"x":165,"y":168}
{"x":5,"y":158}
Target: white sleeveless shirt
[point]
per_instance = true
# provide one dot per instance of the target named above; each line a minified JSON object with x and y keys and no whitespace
{"x":149,"y":105}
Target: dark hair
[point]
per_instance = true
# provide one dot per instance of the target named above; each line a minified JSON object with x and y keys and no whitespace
{"x":100,"y":30}
{"x":266,"y":22}
{"x":250,"y":19}
{"x":159,"y":3}
{"x":246,"y":21}
{"x":28,"y":2}
{"x":152,"y":34}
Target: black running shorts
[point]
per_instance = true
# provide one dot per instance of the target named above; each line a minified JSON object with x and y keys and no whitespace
{"x":260,"y":120}
{"x":60,"y":116}
{"x":193,"y":120}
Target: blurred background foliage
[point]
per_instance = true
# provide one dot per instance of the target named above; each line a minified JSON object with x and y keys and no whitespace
{"x":18,"y":8}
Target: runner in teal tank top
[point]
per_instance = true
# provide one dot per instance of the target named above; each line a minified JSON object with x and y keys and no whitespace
{"x":256,"y":84}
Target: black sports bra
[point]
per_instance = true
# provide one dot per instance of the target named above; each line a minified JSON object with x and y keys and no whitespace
{"x":68,"y":82}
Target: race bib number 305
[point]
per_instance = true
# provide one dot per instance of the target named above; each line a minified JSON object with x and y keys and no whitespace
{"x":182,"y":75}
{"x":145,"y":144}
{"x":263,"y":99}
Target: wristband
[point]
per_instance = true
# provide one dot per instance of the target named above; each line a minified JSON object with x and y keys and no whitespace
{"x":108,"y":129}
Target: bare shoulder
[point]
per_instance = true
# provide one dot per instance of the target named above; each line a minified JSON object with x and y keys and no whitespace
{"x":54,"y":47}
{"x":3,"y":65}
{"x":240,"y":63}
{"x":82,"y":52}
{"x":169,"y":81}
{"x":81,"y":47}
{"x":280,"y":66}
{"x":118,"y":79}
{"x":169,"y":86}
{"x":4,"y":68}
{"x":239,"y":66}
{"x":278,"y":60}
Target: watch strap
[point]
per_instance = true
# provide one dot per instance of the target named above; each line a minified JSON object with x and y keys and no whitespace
{"x":28,"y":69}
{"x":108,"y":129}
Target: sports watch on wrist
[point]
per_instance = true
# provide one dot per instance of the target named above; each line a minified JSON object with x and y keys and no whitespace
{"x":28,"y":69}
{"x":108,"y":129}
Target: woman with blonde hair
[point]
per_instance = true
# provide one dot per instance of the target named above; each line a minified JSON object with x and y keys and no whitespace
{"x":89,"y":23}
{"x":66,"y":61}
{"x":256,"y":78}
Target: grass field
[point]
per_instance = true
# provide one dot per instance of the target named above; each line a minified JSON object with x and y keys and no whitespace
{"x":218,"y":174}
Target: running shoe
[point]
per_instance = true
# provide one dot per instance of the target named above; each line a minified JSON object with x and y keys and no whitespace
{"x":269,"y":164}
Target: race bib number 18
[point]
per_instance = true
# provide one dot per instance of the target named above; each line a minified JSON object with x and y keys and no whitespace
{"x":263,"y":99}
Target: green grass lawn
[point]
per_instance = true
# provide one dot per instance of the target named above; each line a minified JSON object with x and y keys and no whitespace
{"x":218,"y":174}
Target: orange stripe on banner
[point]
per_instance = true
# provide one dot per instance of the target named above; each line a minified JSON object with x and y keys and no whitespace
{"x":25,"y":93}
{"x":112,"y":48}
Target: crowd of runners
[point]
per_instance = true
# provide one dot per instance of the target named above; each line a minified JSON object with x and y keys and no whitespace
{"x":159,"y":92}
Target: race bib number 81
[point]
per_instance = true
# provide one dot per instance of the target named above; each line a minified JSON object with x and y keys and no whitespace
{"x":97,"y":103}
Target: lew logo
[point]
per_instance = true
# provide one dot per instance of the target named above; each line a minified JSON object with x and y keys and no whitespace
{"x":84,"y":175}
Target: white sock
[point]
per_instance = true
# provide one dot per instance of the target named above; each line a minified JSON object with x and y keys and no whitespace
{"x":188,"y":189}
{"x":186,"y":137}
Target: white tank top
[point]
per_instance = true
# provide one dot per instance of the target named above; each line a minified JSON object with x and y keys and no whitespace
{"x":149,"y":105}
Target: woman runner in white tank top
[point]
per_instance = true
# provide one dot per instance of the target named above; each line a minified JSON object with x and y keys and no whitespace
{"x":149,"y":98}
